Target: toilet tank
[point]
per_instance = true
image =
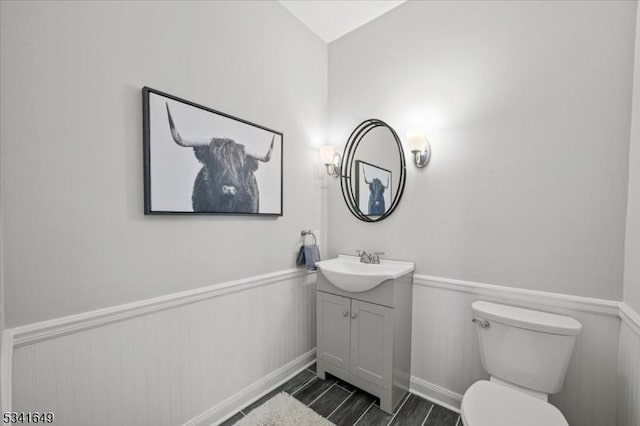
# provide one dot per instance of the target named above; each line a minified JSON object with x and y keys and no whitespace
{"x":525,"y":347}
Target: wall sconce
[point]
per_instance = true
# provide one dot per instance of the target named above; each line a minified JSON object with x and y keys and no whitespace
{"x":331,"y":159}
{"x":419,"y":146}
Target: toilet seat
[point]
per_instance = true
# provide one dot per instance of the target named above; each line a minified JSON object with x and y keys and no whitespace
{"x":491,"y":404}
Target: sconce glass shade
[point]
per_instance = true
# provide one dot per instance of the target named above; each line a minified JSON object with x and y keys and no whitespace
{"x":331,"y":159}
{"x":419,"y":146}
{"x":326,"y":154}
{"x":416,"y":140}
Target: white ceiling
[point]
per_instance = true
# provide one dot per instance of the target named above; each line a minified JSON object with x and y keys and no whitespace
{"x":331,"y":19}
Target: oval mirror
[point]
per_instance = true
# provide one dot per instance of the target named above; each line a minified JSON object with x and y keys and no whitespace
{"x":373,"y":171}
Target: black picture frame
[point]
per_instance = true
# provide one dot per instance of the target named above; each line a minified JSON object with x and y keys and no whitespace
{"x":368,"y":191}
{"x":200,"y":161}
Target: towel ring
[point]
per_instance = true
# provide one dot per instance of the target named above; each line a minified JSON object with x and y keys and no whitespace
{"x":305,"y":232}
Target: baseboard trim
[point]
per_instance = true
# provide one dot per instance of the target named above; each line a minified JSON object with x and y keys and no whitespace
{"x":436,"y":394}
{"x":6,"y":365}
{"x":512,"y":294}
{"x":45,"y":330}
{"x":630,"y":317}
{"x":252,"y":393}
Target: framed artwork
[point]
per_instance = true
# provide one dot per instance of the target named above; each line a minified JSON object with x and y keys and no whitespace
{"x":373,"y":188}
{"x":201,"y":161}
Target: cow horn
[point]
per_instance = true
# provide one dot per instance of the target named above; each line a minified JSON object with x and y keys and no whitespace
{"x":178,"y":138}
{"x":365,"y":177}
{"x":266,"y":157}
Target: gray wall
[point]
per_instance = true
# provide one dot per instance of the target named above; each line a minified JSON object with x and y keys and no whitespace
{"x":632,"y":247}
{"x":2,"y":304}
{"x":529,"y":130}
{"x":527,"y":106}
{"x":75,"y":237}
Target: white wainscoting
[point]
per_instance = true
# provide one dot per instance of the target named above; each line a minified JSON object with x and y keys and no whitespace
{"x":629,"y":368}
{"x":193,"y":357}
{"x":196,"y":357}
{"x":6,"y":362}
{"x":446,"y":360}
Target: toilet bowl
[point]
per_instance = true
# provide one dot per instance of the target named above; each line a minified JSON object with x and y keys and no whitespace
{"x":526,"y":354}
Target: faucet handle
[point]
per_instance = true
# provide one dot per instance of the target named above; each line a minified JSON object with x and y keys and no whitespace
{"x":376,"y":257}
{"x":365,"y":257}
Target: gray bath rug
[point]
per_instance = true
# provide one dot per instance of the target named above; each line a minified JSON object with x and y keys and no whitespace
{"x":283,"y":410}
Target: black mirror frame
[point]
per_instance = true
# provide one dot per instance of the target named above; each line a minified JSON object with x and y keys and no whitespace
{"x":348,"y":156}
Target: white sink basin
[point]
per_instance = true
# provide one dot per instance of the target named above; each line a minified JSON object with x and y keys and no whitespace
{"x":348,"y":274}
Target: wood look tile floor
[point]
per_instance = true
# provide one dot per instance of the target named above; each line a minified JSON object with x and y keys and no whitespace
{"x":345,"y":405}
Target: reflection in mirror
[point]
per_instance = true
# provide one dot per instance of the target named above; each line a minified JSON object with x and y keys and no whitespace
{"x":373,"y":171}
{"x":373,"y":195}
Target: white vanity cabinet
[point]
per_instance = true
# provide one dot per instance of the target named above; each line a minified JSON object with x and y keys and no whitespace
{"x":356,"y":336}
{"x":364,"y":338}
{"x":334,"y":329}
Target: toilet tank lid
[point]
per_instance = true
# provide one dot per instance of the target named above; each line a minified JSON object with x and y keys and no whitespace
{"x":527,"y":318}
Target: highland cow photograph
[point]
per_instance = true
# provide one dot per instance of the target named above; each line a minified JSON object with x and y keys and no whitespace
{"x":373,"y":188}
{"x":202,"y":161}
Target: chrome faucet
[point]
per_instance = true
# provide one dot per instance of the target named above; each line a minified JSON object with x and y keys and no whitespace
{"x":376,"y":257}
{"x":369,"y":258}
{"x":364,"y":257}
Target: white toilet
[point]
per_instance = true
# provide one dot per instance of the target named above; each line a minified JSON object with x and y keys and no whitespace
{"x":526,"y":354}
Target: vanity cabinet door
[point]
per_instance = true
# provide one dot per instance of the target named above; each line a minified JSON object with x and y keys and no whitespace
{"x":372,"y":342}
{"x":333,"y":329}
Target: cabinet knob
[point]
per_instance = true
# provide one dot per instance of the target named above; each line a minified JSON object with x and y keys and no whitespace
{"x":345,"y":313}
{"x":353,"y":316}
